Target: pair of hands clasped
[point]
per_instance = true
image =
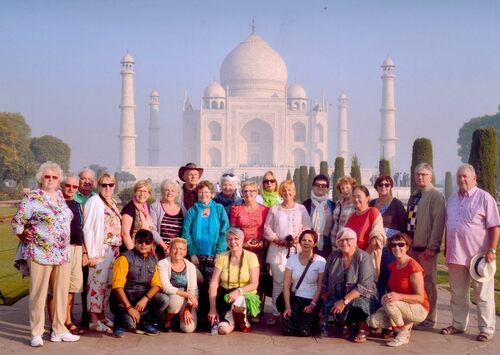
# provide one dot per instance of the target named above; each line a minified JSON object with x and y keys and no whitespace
{"x":307,"y":309}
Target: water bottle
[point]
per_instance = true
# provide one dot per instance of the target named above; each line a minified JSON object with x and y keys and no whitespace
{"x":215,"y":328}
{"x":324,"y":329}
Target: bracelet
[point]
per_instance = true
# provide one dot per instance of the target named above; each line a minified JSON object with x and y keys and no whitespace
{"x":149,"y":298}
{"x":128,"y":308}
{"x":240,"y":290}
{"x":313,"y":303}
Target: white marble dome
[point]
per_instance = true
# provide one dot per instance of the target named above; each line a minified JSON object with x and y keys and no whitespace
{"x":388,"y":62}
{"x":215,"y":90}
{"x":342,"y":96}
{"x":254,"y":69}
{"x":154,"y":93}
{"x":127,"y":58}
{"x":296,"y":91}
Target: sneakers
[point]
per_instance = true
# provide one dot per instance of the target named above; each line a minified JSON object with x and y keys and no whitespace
{"x":146,"y":329}
{"x":56,"y":338}
{"x":36,"y":341}
{"x":402,"y":338}
{"x":118,"y":332}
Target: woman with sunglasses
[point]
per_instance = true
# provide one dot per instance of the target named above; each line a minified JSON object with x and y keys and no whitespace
{"x":269,"y":195}
{"x":228,"y":196}
{"x":407,"y":303}
{"x":102,"y":235}
{"x":394,"y":218}
{"x":136,"y":216}
{"x":284,"y":223}
{"x":42,"y":223}
{"x":321,"y":208}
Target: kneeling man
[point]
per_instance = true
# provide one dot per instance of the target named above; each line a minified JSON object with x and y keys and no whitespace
{"x":136,"y":301}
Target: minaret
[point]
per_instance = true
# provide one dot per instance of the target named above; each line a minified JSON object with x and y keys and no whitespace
{"x":388,"y":111}
{"x":342,"y":128}
{"x":127,"y":129}
{"x":154,"y":129}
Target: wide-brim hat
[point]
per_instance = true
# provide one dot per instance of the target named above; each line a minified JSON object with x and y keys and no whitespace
{"x":188,"y":166}
{"x":481,"y":270}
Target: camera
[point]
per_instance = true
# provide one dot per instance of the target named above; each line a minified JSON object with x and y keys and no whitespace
{"x":289,"y":241}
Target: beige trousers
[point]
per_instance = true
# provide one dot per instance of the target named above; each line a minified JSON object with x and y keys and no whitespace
{"x":484,"y":293}
{"x":397,"y":314}
{"x":176,"y":305}
{"x":40,"y":278}
{"x":430,"y":268}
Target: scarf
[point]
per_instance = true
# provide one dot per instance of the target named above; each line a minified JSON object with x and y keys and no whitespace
{"x":318,"y":217}
{"x":270,"y":198}
{"x":227,"y":202}
{"x":146,"y":221}
{"x":213,"y":224}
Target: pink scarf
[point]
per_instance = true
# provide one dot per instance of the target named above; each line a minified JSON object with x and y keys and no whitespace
{"x":146,"y":221}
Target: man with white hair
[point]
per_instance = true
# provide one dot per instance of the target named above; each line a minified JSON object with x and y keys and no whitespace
{"x":472,"y":227}
{"x":426,"y":220}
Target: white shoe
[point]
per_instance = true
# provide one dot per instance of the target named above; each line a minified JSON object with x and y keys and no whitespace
{"x":64,"y":337}
{"x":36,"y":341}
{"x":402,"y":338}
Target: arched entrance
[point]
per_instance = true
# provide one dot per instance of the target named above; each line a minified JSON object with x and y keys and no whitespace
{"x":257,"y":145}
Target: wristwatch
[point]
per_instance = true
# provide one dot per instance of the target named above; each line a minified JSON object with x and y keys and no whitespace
{"x":493,"y":251}
{"x":346,"y":301}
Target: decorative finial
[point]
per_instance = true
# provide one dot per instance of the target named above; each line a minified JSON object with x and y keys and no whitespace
{"x":253,"y":25}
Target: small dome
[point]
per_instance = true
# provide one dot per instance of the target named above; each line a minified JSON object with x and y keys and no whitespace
{"x":127,"y":58}
{"x":388,"y":62}
{"x":342,"y":96}
{"x":215,"y":90}
{"x":154,"y":93}
{"x":295,"y":91}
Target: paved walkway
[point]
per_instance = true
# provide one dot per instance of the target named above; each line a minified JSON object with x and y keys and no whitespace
{"x":14,"y":339}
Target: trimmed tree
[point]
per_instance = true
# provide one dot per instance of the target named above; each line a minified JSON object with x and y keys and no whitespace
{"x":337,"y":174}
{"x":288,"y":175}
{"x":303,"y":184}
{"x":296,"y":181}
{"x":483,"y":157}
{"x":356,"y":169}
{"x":384,"y":167}
{"x":323,"y":168}
{"x":448,"y":185}
{"x":311,"y":176}
{"x":421,"y":153}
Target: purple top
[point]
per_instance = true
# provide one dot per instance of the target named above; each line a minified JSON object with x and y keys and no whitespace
{"x":50,"y":223}
{"x":468,"y":220}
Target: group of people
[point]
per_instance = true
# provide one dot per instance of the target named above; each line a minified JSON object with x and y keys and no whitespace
{"x":197,"y":258}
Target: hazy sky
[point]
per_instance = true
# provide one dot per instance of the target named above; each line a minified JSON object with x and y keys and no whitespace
{"x":60,"y":66}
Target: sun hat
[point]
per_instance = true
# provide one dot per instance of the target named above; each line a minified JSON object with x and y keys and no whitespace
{"x":480,"y":270}
{"x":189,"y":166}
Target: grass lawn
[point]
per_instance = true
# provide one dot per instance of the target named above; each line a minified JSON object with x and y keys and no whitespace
{"x":12,"y":285}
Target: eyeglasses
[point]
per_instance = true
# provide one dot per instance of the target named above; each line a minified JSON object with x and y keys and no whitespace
{"x":398,"y":244}
{"x":111,"y":184}
{"x":345,"y":240}
{"x":228,"y":174}
{"x":421,"y":174}
{"x":70,"y":186}
{"x":321,"y":186}
{"x":269,"y":181}
{"x":249,"y":191}
{"x":147,"y":242}
{"x":53,"y":177}
{"x":386,"y":184}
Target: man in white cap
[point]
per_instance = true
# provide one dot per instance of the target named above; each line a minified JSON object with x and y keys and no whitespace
{"x":472,"y":227}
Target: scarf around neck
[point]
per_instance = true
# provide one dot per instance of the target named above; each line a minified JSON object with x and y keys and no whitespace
{"x":213,"y":224}
{"x":318,"y":217}
{"x":270,"y":198}
{"x":146,"y":221}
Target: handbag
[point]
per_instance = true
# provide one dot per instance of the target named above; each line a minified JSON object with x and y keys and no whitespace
{"x":266,"y":281}
{"x":280,"y":301}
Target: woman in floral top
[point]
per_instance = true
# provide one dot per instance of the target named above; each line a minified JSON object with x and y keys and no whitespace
{"x":101,"y":230}
{"x":42,"y":223}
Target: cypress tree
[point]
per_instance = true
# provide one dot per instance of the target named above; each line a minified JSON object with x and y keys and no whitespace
{"x":384,"y":167}
{"x":323,"y":168}
{"x":337,"y":174}
{"x":296,"y":180}
{"x":303,"y":184}
{"x":288,"y":175}
{"x":448,"y":185}
{"x":356,"y":169}
{"x":311,"y":176}
{"x":422,"y":153}
{"x":483,"y":157}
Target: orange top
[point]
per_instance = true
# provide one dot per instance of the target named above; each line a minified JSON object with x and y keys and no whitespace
{"x":399,"y":280}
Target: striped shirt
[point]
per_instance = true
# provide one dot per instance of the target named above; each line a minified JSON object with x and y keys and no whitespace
{"x":171,"y":226}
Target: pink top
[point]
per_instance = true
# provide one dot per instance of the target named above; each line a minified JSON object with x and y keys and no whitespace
{"x":251,"y":223}
{"x":468,"y":220}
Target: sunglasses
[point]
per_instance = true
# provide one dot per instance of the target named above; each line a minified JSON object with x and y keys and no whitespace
{"x":53,"y":177}
{"x":228,"y":174}
{"x":321,"y":186}
{"x":269,"y":181}
{"x":398,"y":244}
{"x":111,"y":184}
{"x":147,"y":242}
{"x":70,"y":186}
{"x":385,"y":185}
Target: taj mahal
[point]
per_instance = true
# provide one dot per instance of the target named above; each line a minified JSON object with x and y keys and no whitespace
{"x":251,"y":120}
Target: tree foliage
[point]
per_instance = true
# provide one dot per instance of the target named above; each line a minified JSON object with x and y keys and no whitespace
{"x":338,"y":172}
{"x":98,"y":169}
{"x":303,"y":184}
{"x":356,"y":169}
{"x":296,"y":180}
{"x":483,"y":157}
{"x":50,"y":148}
{"x":465,"y":135}
{"x":384,"y":167}
{"x":310,"y":179}
{"x":323,"y":168}
{"x":288,"y":175}
{"x":124,"y":176}
{"x":448,"y":185}
{"x":421,"y":153}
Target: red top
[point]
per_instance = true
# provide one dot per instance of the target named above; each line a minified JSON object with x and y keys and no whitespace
{"x":362,"y":225}
{"x":251,"y":223}
{"x":399,"y":281}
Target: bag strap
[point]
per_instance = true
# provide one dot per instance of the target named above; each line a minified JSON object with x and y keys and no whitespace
{"x":304,"y":273}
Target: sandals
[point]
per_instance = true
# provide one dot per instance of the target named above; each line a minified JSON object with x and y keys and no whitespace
{"x":273,"y":320}
{"x":484,"y":337}
{"x":451,"y":330}
{"x":73,"y":329}
{"x":361,"y":336}
{"x":100,"y":327}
